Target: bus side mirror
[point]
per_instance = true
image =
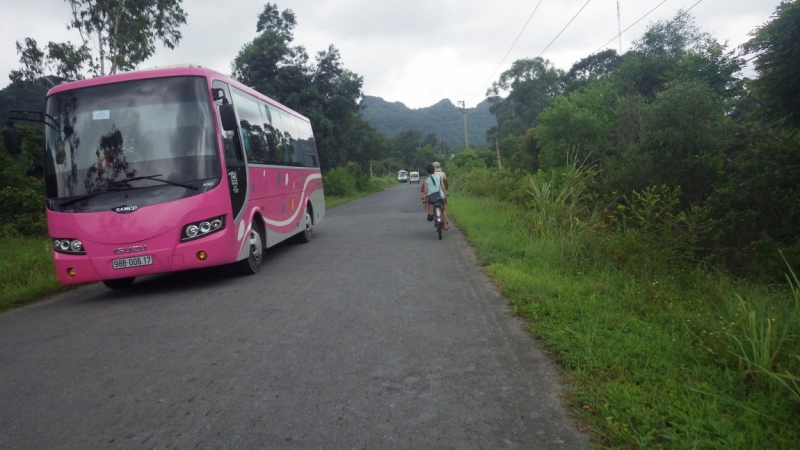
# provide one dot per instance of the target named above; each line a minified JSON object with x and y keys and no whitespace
{"x":218,"y":94}
{"x":228,"y":117}
{"x":12,"y":139}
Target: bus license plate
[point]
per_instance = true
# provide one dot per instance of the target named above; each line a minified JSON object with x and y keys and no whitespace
{"x":127,"y":263}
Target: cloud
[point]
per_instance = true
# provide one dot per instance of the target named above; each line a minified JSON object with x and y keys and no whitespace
{"x":417,"y":52}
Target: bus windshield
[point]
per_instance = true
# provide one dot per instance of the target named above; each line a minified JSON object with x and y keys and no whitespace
{"x":149,"y":140}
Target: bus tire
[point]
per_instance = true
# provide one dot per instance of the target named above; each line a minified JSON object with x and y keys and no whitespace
{"x":305,"y":236}
{"x":119,"y":283}
{"x":255,"y":256}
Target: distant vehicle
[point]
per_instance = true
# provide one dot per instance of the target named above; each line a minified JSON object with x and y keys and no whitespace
{"x":402,"y":176}
{"x":413,"y":177}
{"x":170,"y":169}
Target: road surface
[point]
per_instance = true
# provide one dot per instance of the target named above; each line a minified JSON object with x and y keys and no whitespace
{"x":375,"y":335}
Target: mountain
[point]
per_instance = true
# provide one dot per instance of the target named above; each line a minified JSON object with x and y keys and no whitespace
{"x":443,"y":118}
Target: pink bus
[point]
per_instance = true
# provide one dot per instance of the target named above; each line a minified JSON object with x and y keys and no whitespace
{"x":171,"y":169}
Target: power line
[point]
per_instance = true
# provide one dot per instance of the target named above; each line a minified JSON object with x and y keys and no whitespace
{"x":565,"y":27}
{"x":634,"y":23}
{"x":648,"y":13}
{"x":508,"y":52}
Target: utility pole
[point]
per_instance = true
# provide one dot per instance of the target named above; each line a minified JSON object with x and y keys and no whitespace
{"x":497,"y":149}
{"x":619,"y":28}
{"x":463,"y":109}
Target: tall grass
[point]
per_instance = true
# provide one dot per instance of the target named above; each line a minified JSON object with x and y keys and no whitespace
{"x":767,"y":338}
{"x":26,"y":270}
{"x":559,"y":199}
{"x":660,"y":351}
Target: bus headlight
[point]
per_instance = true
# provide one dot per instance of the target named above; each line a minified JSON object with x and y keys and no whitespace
{"x":196,"y":230}
{"x":68,"y":246}
{"x":76,"y":246}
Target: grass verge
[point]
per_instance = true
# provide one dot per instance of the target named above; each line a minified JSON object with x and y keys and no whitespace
{"x":26,"y":271}
{"x":652,"y":361}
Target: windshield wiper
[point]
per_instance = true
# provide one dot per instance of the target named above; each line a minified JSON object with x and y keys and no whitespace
{"x":121,"y":188}
{"x":90,"y":195}
{"x":153,"y":177}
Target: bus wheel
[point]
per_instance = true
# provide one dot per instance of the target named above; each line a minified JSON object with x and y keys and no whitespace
{"x":119,"y":283}
{"x":305,"y":235}
{"x":252,"y":263}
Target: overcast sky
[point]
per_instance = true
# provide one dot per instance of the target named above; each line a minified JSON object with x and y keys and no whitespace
{"x":413,"y":51}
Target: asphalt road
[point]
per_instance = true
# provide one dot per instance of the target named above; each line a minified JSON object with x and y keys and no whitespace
{"x":374,"y":335}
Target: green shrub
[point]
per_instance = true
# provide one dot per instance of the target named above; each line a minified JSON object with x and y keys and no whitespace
{"x":468,"y":159}
{"x":22,"y":210}
{"x":339,"y":182}
{"x":505,"y":185}
{"x":362,"y":181}
{"x":756,"y":205}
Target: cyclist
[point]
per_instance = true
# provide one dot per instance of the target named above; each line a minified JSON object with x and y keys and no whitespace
{"x":434,"y":183}
{"x":438,"y":171}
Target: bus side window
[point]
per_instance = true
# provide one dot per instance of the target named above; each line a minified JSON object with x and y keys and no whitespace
{"x":274,"y":133}
{"x":252,"y":126}
{"x":306,"y":138}
{"x":293,"y":155}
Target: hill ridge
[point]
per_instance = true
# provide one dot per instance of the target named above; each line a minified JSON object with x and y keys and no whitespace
{"x":442,"y":118}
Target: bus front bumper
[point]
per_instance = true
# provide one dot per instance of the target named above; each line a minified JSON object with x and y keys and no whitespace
{"x":210,"y":251}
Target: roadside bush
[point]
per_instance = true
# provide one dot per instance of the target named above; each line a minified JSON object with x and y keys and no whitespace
{"x":21,"y":199}
{"x":361,"y":178}
{"x":652,"y":229}
{"x":505,"y":185}
{"x":22,"y":210}
{"x":339,"y":182}
{"x":468,"y":160}
{"x":756,"y":206}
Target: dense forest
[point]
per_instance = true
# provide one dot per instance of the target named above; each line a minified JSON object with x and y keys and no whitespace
{"x":674,"y":123}
{"x":442,"y":119}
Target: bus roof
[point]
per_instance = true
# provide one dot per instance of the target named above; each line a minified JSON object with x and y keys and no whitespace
{"x":168,"y":71}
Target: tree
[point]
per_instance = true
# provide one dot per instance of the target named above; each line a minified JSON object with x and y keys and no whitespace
{"x":649,"y":66}
{"x":283,"y":22}
{"x":468,"y":159}
{"x":404,"y":146}
{"x":424,"y":156}
{"x":430,"y":139}
{"x":531,"y":85}
{"x":683,"y":142}
{"x":778,"y":65}
{"x":578,"y":125}
{"x":117,"y":33}
{"x":324,"y":91}
{"x":591,"y":68}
